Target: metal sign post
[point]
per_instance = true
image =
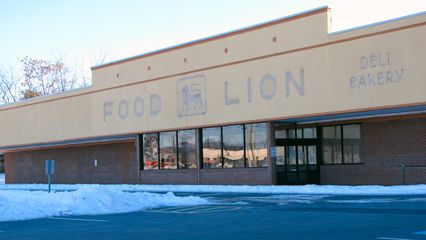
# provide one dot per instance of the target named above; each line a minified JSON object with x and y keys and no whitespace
{"x":49,"y":170}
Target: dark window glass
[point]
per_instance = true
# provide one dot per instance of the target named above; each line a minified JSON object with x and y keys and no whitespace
{"x":280,"y":159}
{"x":256,"y":151}
{"x":352,"y":143}
{"x":299,"y":133}
{"x":233,"y":146}
{"x":302,"y":155}
{"x":280,"y":134}
{"x":291,"y":133}
{"x":332,"y":145}
{"x":150,"y":151}
{"x":168,"y":159}
{"x":212,"y":148}
{"x":312,"y":155}
{"x":310,"y":132}
{"x":333,"y":141}
{"x":291,"y":155}
{"x":187,"y":149}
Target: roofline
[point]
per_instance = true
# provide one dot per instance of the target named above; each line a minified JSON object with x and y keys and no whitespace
{"x":378,"y":23}
{"x":287,"y":18}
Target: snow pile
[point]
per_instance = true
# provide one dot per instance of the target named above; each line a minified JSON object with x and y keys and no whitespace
{"x":87,"y":200}
{"x":1,"y":178}
{"x":305,"y":189}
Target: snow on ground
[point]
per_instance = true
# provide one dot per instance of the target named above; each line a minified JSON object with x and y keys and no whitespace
{"x":305,"y":189}
{"x":28,"y":201}
{"x":1,"y":178}
{"x":87,"y":200}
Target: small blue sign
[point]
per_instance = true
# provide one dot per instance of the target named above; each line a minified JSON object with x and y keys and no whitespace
{"x":49,"y":167}
{"x":273,"y":151}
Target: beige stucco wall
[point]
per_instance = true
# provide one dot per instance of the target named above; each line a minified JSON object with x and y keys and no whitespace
{"x":306,"y":71}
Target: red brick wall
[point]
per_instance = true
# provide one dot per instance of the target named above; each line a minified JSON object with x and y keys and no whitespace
{"x":240,"y":176}
{"x":387,"y":146}
{"x":117,"y":163}
{"x":169,"y":177}
{"x":237,"y":176}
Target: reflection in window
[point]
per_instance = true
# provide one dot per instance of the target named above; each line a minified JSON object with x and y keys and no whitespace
{"x":233,"y":146}
{"x":312,"y":155}
{"x":352,"y":143}
{"x":310,"y":132}
{"x":302,"y":155}
{"x":291,"y":155}
{"x":280,"y":134}
{"x":256,"y":151}
{"x":332,"y":148}
{"x":150,"y":151}
{"x":187,"y":149}
{"x":168,"y":158}
{"x":302,"y":133}
{"x":280,"y":159}
{"x":333,"y":141}
{"x":212,"y":147}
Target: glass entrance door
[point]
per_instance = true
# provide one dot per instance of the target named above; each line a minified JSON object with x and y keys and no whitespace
{"x":297,"y":164}
{"x":297,"y":157}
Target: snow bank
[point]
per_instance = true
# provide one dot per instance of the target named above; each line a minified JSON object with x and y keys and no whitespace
{"x":28,"y":201}
{"x":87,"y":200}
{"x":306,"y":189}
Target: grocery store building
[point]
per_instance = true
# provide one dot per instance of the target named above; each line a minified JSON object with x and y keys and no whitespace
{"x":282,"y":102}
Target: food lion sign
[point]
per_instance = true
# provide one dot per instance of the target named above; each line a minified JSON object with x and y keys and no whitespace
{"x":191,"y":96}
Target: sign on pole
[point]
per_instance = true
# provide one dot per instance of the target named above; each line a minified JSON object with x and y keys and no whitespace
{"x":49,"y":170}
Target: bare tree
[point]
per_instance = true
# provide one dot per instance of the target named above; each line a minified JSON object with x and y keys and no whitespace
{"x":101,"y":57}
{"x":9,"y":86}
{"x":42,"y":77}
{"x":67,"y":77}
{"x":84,"y":74}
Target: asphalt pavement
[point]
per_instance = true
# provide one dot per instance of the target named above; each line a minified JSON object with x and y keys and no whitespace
{"x":245,"y":216}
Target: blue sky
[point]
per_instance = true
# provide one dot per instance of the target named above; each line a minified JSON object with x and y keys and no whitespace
{"x":82,"y":29}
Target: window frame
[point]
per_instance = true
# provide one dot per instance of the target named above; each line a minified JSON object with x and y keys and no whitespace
{"x":142,"y":152}
{"x":159,"y":151}
{"x":222,"y":150}
{"x":342,"y":143}
{"x":199,"y":148}
{"x":177,"y":148}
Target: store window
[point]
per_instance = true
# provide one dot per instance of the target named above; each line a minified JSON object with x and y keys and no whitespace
{"x":352,"y":143}
{"x":150,"y":151}
{"x":233,"y":146}
{"x":332,"y":144}
{"x":168,"y":150}
{"x":341,"y":144}
{"x":187,"y":149}
{"x":256,"y":142}
{"x":302,"y":133}
{"x":212,"y":147}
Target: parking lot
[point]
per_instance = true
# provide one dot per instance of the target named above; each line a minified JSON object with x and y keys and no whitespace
{"x":245,"y":216}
